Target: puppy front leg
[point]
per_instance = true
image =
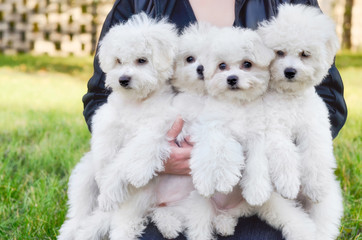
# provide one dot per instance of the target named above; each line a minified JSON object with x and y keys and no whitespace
{"x":255,"y":183}
{"x":147,"y":153}
{"x":216,"y":159}
{"x":284,"y":163}
{"x":113,"y":184}
{"x":315,"y":144}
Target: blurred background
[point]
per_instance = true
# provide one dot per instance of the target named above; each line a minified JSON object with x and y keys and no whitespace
{"x":46,"y":54}
{"x":63,"y":28}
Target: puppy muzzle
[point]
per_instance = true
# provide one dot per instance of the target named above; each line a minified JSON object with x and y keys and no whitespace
{"x":290,"y":73}
{"x":232,"y":82}
{"x":124,"y":81}
{"x":200,"y":72}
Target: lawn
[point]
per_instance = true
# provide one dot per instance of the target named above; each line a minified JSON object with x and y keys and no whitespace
{"x":43,"y":135}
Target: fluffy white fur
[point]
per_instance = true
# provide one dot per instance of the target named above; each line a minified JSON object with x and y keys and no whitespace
{"x":300,"y":149}
{"x":184,"y":209}
{"x":232,"y":123}
{"x":230,"y":168}
{"x":129,"y":143}
{"x":182,"y":206}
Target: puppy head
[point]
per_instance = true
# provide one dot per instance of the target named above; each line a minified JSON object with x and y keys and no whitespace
{"x":138,"y":56}
{"x":194,"y":45}
{"x":239,"y":61}
{"x":305,"y":43}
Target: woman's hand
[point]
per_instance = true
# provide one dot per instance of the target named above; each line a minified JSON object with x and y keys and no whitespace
{"x":178,"y":163}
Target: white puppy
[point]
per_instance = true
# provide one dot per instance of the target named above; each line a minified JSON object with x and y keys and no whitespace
{"x":174,"y":191}
{"x":129,"y":143}
{"x":233,"y":123}
{"x":183,"y":208}
{"x":300,"y":149}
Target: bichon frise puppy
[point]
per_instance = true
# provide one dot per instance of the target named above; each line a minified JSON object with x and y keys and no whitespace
{"x":300,"y":149}
{"x":232,"y":123}
{"x":174,"y":192}
{"x":181,"y":207}
{"x":129,"y":143}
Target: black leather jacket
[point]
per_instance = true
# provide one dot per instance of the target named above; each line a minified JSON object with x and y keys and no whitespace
{"x":248,"y":13}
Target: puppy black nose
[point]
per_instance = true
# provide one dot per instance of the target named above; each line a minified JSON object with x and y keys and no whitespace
{"x":200,"y":70}
{"x":290,"y":73}
{"x":232,"y":80}
{"x":124,"y":80}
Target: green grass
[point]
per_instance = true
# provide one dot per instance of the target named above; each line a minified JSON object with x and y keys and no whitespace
{"x":348,"y":146}
{"x":43,"y":135}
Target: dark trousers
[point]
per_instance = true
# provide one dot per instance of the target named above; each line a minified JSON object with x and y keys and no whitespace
{"x":251,"y":228}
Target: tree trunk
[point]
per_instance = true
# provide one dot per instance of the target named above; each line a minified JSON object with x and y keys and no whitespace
{"x":347,"y":25}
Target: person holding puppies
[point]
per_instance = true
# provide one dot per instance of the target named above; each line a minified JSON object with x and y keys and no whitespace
{"x":221,"y":13}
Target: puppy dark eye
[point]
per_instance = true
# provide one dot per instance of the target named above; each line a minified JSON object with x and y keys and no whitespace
{"x":222,"y":66}
{"x":247,"y":64}
{"x":142,"y":60}
{"x":305,"y":54}
{"x":119,"y":61}
{"x":190,"y":59}
{"x":280,"y":53}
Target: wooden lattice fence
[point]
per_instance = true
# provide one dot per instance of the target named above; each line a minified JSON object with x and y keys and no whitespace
{"x":72,"y":27}
{"x":52,"y":27}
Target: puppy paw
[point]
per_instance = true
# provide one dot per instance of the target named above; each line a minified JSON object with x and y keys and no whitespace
{"x":167,"y":223}
{"x":287,"y":185}
{"x":141,"y":171}
{"x":138,"y":180}
{"x":170,"y":229}
{"x":204,"y":182}
{"x":226,"y":179}
{"x":314,"y":191}
{"x":224,"y":224}
{"x":256,"y":192}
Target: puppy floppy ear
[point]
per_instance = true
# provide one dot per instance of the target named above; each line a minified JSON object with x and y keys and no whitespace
{"x":106,"y":52}
{"x":263,"y":54}
{"x":163,"y":42}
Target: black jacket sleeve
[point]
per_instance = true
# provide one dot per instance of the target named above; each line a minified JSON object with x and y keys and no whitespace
{"x":97,"y":93}
{"x":331,"y":91}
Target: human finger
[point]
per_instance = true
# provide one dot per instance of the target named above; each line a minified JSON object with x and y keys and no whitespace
{"x":180,"y":153}
{"x":175,"y":129}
